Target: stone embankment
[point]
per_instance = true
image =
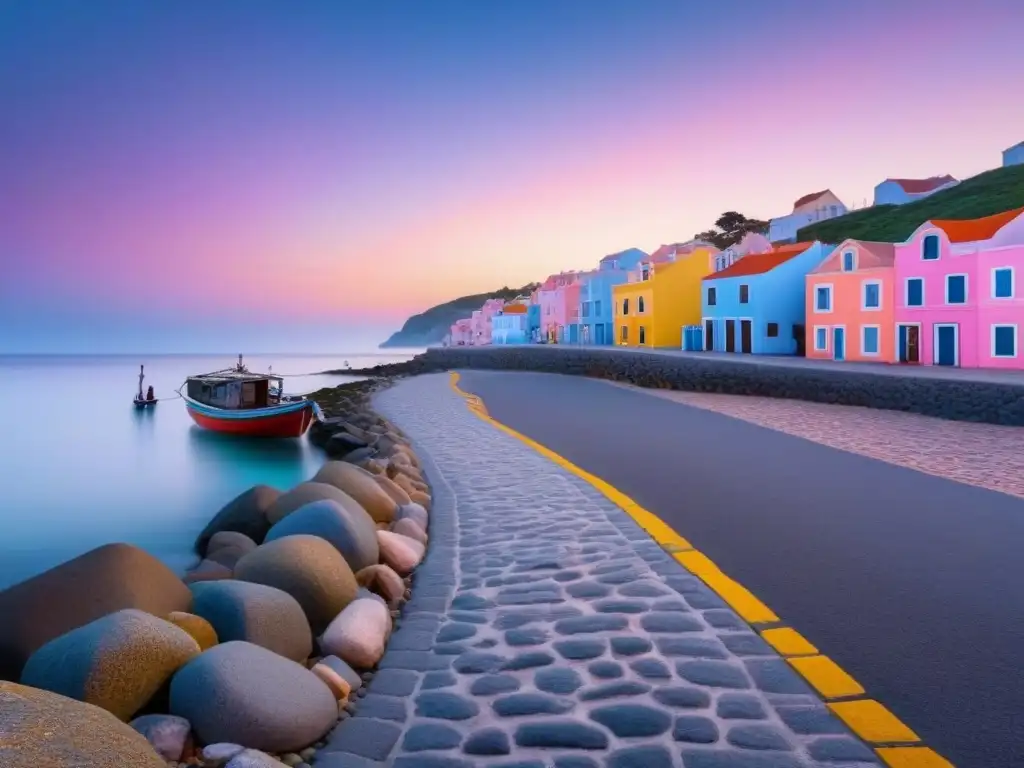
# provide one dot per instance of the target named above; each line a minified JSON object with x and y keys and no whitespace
{"x":255,"y":656}
{"x":991,"y":402}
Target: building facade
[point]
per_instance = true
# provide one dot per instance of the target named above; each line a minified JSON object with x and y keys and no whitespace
{"x":815,"y":207}
{"x":1014,"y":155}
{"x":902,"y":191}
{"x":596,"y":321}
{"x":509,"y":325}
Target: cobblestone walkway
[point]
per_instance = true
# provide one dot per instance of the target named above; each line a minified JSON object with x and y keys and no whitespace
{"x":547,"y":629}
{"x":983,"y":455}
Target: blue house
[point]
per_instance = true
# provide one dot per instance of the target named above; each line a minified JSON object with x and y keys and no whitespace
{"x":533,"y":323}
{"x":901,"y":191}
{"x":1014,"y":155}
{"x":757,"y":306}
{"x":597,"y":320}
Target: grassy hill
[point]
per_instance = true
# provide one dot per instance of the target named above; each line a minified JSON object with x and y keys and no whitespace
{"x":430,"y":327}
{"x":983,"y":195}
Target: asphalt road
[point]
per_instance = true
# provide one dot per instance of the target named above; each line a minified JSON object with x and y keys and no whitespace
{"x":912,"y":583}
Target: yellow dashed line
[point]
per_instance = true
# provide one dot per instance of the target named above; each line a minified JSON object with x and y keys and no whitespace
{"x":912,"y":757}
{"x":869,"y":719}
{"x":826,"y":676}
{"x":789,"y":642}
{"x":873,"y":722}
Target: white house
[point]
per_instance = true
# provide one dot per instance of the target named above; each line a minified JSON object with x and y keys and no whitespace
{"x":900,"y":191}
{"x":752,"y":242}
{"x":817,"y":206}
{"x":1014,"y":155}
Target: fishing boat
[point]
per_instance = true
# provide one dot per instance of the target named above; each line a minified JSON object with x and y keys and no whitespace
{"x":239,"y":402}
{"x":149,"y":400}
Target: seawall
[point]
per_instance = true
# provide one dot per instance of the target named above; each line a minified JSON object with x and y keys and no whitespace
{"x":992,"y":402}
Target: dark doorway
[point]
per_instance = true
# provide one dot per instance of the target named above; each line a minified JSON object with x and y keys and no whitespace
{"x":800,"y":337}
{"x":910,"y":344}
{"x":746,"y":339}
{"x":709,"y":335}
{"x":730,"y":335}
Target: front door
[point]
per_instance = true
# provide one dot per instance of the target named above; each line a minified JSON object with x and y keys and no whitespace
{"x":730,"y":335}
{"x":709,"y":335}
{"x":839,"y":343}
{"x":799,"y":335}
{"x":599,"y":333}
{"x":746,"y":336}
{"x":910,"y":344}
{"x":946,"y":343}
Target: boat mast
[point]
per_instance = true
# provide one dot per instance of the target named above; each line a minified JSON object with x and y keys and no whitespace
{"x":142,"y":375}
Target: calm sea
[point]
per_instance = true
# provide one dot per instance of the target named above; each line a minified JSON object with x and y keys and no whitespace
{"x":80,"y":467}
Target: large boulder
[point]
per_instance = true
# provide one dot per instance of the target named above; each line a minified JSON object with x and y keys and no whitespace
{"x":303,"y":494}
{"x":360,"y":485}
{"x":309,"y":569}
{"x":359,"y":633}
{"x":382,"y":580}
{"x":228,"y":547}
{"x":255,"y":613}
{"x":101,"y":581}
{"x":409,"y":527}
{"x":400,"y":552}
{"x":117,"y":662}
{"x":246,"y":513}
{"x":199,"y":628}
{"x":391,"y":488}
{"x":415,"y":512}
{"x":207,"y":570}
{"x":39,"y":728}
{"x":351,"y":532}
{"x":243,"y":694}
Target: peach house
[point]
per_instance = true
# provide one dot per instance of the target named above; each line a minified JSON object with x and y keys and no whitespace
{"x":851,"y":304}
{"x":958,"y":300}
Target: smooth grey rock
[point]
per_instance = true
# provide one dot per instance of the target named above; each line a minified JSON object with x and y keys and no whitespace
{"x":490,"y":685}
{"x":694,"y":647}
{"x":695,"y":730}
{"x":758,"y":737}
{"x":559,"y":680}
{"x":682,"y":697}
{"x":586,"y":624}
{"x":426,"y":736}
{"x":630,"y":646}
{"x":606,"y":670}
{"x":530,"y":704}
{"x":614,"y":690}
{"x":568,"y":734}
{"x":344,"y":671}
{"x":670,"y":621}
{"x":631,"y":720}
{"x":580,"y":649}
{"x":648,"y":756}
{"x":528,"y":660}
{"x":489,"y":741}
{"x":717,"y":674}
{"x":445,"y":706}
{"x":167,"y":733}
{"x":740,"y":706}
{"x":349,"y":529}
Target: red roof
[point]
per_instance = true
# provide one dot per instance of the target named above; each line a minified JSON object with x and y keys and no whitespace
{"x":759,"y":263}
{"x":919,"y":186}
{"x":971,"y":230}
{"x":808,"y":198}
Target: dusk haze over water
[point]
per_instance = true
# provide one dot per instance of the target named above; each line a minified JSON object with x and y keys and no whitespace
{"x":299,"y":177}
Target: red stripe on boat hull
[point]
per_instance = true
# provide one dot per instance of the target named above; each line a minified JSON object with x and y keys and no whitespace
{"x":293,"y":424}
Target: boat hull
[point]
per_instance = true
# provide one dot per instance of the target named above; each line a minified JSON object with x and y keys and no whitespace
{"x":290,"y":420}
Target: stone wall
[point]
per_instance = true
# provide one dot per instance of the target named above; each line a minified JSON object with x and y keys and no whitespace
{"x":990,"y":402}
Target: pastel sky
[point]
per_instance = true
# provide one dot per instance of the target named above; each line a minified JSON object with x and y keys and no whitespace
{"x":193,"y":176}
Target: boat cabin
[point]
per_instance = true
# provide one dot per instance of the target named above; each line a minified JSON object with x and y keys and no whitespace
{"x":235,"y":390}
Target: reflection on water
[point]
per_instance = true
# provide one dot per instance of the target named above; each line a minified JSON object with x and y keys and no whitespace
{"x":99,"y":470}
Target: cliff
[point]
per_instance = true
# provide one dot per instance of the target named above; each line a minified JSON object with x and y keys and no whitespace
{"x":430,"y":327}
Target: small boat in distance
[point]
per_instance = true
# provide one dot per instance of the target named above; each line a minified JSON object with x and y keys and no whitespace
{"x":150,"y":398}
{"x":239,"y":402}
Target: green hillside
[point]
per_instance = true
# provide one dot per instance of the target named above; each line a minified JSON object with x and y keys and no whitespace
{"x":983,"y":195}
{"x":430,"y":327}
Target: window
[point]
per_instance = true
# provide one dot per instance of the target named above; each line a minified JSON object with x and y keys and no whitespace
{"x":645,"y":274}
{"x":821,"y":339}
{"x":915,"y":292}
{"x":744,"y":294}
{"x":624,"y":333}
{"x":772,"y":330}
{"x":930,"y":248}
{"x":640,"y":305}
{"x":1002,"y":283}
{"x":625,"y":306}
{"x":871,"y":295}
{"x":597,"y":309}
{"x":823,"y":298}
{"x":643,"y":335}
{"x":834,"y":209}
{"x":848,"y":261}
{"x":712,"y":296}
{"x":585,"y":310}
{"x":1004,"y":341}
{"x":956,"y":289}
{"x":869,"y":339}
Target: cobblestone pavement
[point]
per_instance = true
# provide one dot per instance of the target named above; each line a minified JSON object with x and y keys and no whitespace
{"x":547,"y":629}
{"x":984,"y":455}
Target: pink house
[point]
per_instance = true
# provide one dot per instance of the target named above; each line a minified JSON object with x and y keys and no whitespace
{"x":957,"y":297}
{"x":461,"y":333}
{"x":480,"y":322}
{"x":558,"y":297}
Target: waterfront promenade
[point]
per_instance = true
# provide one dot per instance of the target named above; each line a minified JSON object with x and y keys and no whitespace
{"x":907,"y":580}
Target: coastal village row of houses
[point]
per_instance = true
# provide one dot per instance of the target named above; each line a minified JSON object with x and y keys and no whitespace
{"x":948,"y":295}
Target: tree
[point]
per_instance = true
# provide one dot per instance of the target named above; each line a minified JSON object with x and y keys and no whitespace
{"x":730,"y":228}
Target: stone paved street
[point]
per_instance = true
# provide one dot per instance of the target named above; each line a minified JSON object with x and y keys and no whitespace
{"x":984,"y":455}
{"x":547,"y":629}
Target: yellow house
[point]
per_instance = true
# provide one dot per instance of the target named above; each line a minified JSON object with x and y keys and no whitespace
{"x":662,"y":295}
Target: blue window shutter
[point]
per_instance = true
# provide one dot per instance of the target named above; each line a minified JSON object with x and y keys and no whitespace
{"x":915,"y":291}
{"x":1005,"y":343}
{"x":871,"y":341}
{"x":822,"y":340}
{"x":1004,"y":283}
{"x":848,"y":261}
{"x":871,"y":295}
{"x":956,"y":289}
{"x":930,"y":248}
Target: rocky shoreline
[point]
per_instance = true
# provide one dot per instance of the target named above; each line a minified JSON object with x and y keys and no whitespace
{"x":255,"y":655}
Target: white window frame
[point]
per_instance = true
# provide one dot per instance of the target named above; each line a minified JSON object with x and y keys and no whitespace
{"x":967,"y":286}
{"x":864,"y":295}
{"x":853,"y":261}
{"x":878,"y":340}
{"x":1013,"y":283}
{"x":1016,"y":341}
{"x":831,"y":298}
{"x":817,"y":329}
{"x":906,"y":293}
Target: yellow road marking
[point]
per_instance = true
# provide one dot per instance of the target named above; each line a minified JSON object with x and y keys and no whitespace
{"x":867,"y":718}
{"x":873,"y":722}
{"x":912,"y":757}
{"x":789,"y":642}
{"x":826,"y":676}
